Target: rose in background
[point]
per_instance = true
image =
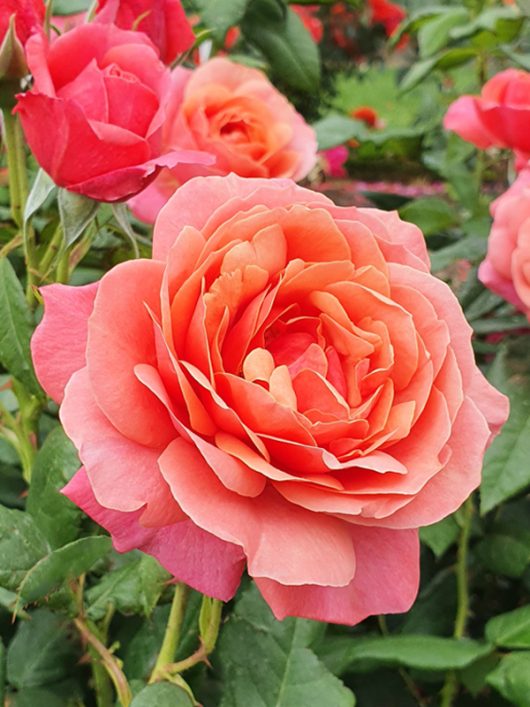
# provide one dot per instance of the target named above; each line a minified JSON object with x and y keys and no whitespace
{"x":26,"y":18}
{"x":283,"y":387}
{"x":386,"y":13}
{"x":499,"y":117}
{"x":164,"y":22}
{"x":506,"y":269}
{"x":94,"y":115}
{"x":236,"y":114}
{"x":333,"y":161}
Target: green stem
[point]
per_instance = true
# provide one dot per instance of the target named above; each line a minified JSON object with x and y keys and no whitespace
{"x":108,"y":662}
{"x":52,"y":251}
{"x":450,"y":687}
{"x":209,"y":625}
{"x":10,"y":140}
{"x":171,"y":640}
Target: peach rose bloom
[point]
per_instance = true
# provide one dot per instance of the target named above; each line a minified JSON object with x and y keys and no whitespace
{"x":236,"y":114}
{"x":506,"y":269}
{"x":284,"y":387}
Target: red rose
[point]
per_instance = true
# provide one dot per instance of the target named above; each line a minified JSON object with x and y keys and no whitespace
{"x":499,"y":117}
{"x":93,"y":117}
{"x":164,"y":22}
{"x":285,"y":386}
{"x":29,"y":17}
{"x":387,"y":14}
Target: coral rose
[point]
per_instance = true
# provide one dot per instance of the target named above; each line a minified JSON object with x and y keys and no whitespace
{"x":164,"y":22}
{"x":283,"y":387}
{"x":93,"y":117}
{"x":506,"y":269}
{"x":499,"y":117}
{"x":236,"y":114}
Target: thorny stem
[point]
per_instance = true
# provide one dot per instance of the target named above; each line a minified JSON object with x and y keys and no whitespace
{"x":108,"y":661}
{"x":171,"y":640}
{"x":208,"y":639}
{"x":450,"y":687}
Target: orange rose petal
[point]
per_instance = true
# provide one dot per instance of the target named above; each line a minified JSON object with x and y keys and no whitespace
{"x":314,"y":392}
{"x":385,"y":582}
{"x":124,"y":475}
{"x":120,"y":335}
{"x":259,"y":410}
{"x":442,"y":494}
{"x":281,"y":542}
{"x":360,"y":301}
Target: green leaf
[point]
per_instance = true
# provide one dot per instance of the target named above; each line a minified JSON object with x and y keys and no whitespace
{"x":134,"y":588}
{"x":41,"y":189}
{"x":512,"y":678}
{"x":21,"y":546}
{"x":506,"y":468}
{"x":335,"y":129}
{"x":510,"y":630}
{"x":342,"y":653}
{"x":434,"y":34}
{"x":503,"y":22}
{"x":505,"y":553}
{"x":471,"y":247}
{"x":270,"y":663}
{"x":41,"y":651}
{"x":431,"y":214}
{"x":15,"y":329}
{"x":221,"y":15}
{"x":70,"y":7}
{"x":55,"y":464}
{"x":12,"y":486}
{"x":9,"y":600}
{"x":448,"y":59}
{"x":440,"y":536}
{"x":60,"y":565}
{"x":76,"y":212}
{"x":289,"y":48}
{"x":162,"y":694}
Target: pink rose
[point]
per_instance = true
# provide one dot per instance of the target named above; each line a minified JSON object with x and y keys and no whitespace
{"x":164,"y":22}
{"x":506,"y":269}
{"x":236,"y":114}
{"x":93,"y":117}
{"x":283,"y":387}
{"x":499,"y":117}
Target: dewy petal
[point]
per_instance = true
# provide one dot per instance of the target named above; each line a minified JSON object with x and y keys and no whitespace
{"x":59,"y":342}
{"x":281,"y":542}
{"x":386,"y":582}
{"x":203,"y":561}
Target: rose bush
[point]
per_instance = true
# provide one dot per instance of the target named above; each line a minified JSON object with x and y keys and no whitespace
{"x":164,"y":22}
{"x":284,"y":386}
{"x":94,"y":115}
{"x":506,"y":269}
{"x":236,"y":114}
{"x":498,"y":117}
{"x":28,"y":18}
